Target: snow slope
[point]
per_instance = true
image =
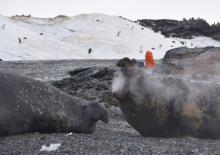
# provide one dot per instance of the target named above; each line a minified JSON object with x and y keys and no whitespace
{"x":109,"y":37}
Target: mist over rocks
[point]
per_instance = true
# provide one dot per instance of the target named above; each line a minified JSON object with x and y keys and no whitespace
{"x":183,"y":29}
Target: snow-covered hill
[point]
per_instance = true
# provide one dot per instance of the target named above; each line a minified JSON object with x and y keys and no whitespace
{"x":109,"y":37}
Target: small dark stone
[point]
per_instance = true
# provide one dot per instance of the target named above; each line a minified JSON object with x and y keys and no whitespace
{"x":42,"y":138}
{"x":182,"y":42}
{"x":25,"y":38}
{"x":77,"y":71}
{"x":41,"y":34}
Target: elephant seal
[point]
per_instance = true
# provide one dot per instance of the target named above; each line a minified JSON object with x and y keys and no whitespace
{"x":28,"y":105}
{"x":159,"y":105}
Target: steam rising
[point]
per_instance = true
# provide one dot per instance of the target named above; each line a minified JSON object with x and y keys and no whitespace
{"x":118,"y":82}
{"x":141,"y":83}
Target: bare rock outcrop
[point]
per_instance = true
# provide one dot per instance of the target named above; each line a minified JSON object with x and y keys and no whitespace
{"x":92,"y":83}
{"x":183,"y":29}
{"x":192,"y":61}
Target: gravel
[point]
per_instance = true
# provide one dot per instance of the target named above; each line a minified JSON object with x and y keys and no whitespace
{"x":116,"y":137}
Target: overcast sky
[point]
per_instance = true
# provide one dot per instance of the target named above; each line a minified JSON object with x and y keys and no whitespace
{"x":132,"y":9}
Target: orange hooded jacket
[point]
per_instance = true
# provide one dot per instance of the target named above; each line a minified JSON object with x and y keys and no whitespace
{"x":149,"y":60}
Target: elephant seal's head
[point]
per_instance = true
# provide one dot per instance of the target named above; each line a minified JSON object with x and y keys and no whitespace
{"x":125,"y":64}
{"x":91,"y":113}
{"x":121,"y":80}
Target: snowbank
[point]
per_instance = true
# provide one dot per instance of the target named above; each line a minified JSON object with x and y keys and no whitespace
{"x":109,"y":37}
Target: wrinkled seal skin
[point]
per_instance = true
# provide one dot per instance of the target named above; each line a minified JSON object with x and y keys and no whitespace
{"x":28,"y":105}
{"x":168,"y":106}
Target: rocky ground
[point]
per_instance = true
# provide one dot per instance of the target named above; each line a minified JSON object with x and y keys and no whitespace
{"x":92,"y":83}
{"x":116,"y":137}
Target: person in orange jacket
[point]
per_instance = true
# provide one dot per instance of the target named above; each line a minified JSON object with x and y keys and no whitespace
{"x":149,"y":60}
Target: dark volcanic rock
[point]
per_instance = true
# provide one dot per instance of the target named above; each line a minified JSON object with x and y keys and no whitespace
{"x":1,"y":60}
{"x":190,"y":61}
{"x":184,"y":28}
{"x":92,"y":83}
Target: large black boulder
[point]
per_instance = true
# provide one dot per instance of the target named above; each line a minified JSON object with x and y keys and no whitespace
{"x":192,"y":61}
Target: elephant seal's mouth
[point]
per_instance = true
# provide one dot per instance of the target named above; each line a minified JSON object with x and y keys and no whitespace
{"x":93,"y":121}
{"x":94,"y":112}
